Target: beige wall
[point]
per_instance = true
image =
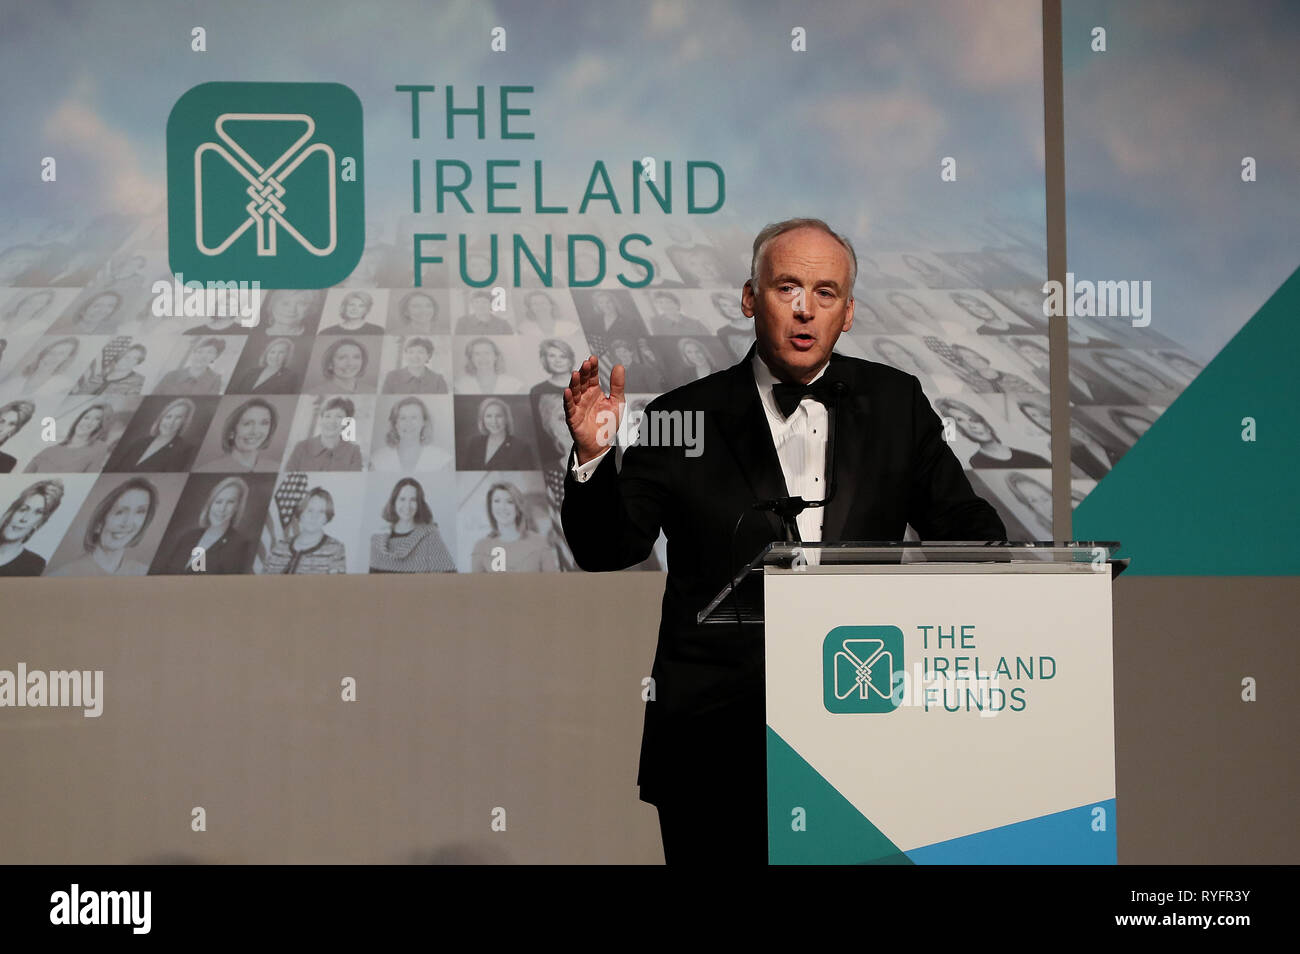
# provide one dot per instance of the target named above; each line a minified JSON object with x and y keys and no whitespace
{"x":224,"y":693}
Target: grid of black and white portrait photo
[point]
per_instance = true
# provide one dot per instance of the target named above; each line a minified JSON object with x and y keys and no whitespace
{"x":386,"y":428}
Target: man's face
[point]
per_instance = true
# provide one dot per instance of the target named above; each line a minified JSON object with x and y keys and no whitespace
{"x":802,"y":304}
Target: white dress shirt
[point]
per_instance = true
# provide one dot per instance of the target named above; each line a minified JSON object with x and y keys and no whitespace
{"x":800,"y":442}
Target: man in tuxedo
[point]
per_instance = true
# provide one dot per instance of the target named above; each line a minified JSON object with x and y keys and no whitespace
{"x":764,"y":430}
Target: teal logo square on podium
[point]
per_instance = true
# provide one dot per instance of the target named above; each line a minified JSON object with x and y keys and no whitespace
{"x":858,"y":667}
{"x":264,"y":183}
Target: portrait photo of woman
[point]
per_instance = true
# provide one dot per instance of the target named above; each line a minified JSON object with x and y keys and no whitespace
{"x":986,"y":320}
{"x":513,"y":545}
{"x":1135,"y":377}
{"x":46,"y":373}
{"x":290,"y":313}
{"x":497,"y":446}
{"x":165,"y":448}
{"x":25,"y":515}
{"x":896,"y":354}
{"x":98,"y":315}
{"x":1091,"y":451}
{"x":246,"y":439}
{"x":643,"y":375}
{"x":271,"y":374}
{"x":326,"y":449}
{"x":543,"y":319}
{"x":695,"y":359}
{"x":976,"y":371}
{"x":308,"y":548}
{"x":484,"y":371}
{"x":117,"y":375}
{"x":226,"y":548}
{"x":915,"y":318}
{"x":408,"y":440}
{"x":480,"y":319}
{"x":83,"y":450}
{"x":990,"y":450}
{"x":1130,"y":422}
{"x":13,"y":418}
{"x":738,"y":333}
{"x":195,"y":374}
{"x":412,"y":543}
{"x":354,"y":311}
{"x":415,"y":376}
{"x":343,"y":368}
{"x":1037,"y":501}
{"x":418,"y":313}
{"x":116,"y":527}
{"x":608,"y":314}
{"x":667,"y":317}
{"x":28,"y":314}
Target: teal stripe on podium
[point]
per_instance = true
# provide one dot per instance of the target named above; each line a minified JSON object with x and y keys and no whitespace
{"x":836,"y":832}
{"x":1061,"y":838}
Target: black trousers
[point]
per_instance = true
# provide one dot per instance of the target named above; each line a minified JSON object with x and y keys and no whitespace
{"x":703,"y":830}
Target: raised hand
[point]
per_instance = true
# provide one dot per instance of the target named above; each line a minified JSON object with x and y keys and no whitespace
{"x":592,"y":414}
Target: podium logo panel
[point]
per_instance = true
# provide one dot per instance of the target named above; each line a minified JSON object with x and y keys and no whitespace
{"x":858,"y":667}
{"x":264,"y":184}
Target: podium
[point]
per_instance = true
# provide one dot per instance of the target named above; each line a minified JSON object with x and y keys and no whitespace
{"x":934,"y":703}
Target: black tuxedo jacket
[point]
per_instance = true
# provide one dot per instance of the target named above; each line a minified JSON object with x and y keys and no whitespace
{"x":705,"y":729}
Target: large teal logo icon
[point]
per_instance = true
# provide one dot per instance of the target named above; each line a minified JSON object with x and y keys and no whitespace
{"x":858,"y":667}
{"x":264,"y":183}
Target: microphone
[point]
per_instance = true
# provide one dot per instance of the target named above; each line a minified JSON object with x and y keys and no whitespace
{"x":788,"y":508}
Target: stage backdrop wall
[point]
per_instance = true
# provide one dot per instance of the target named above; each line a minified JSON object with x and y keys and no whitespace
{"x":446,"y":211}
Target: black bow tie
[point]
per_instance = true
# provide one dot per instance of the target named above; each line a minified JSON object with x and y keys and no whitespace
{"x":788,"y":396}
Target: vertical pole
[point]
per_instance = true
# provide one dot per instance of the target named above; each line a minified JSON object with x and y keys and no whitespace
{"x":1058,"y":344}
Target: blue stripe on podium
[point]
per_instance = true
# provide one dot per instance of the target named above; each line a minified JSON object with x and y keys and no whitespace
{"x":1068,"y":837}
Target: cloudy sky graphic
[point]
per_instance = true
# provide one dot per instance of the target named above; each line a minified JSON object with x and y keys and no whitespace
{"x":854,"y":129}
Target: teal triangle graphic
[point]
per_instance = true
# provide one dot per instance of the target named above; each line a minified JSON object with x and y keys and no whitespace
{"x":1191,"y":498}
{"x":836,"y":832}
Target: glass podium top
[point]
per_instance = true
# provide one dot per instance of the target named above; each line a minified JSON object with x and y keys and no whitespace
{"x":741,"y":600}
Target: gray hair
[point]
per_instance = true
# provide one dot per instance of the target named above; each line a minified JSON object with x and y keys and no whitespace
{"x":775,"y":229}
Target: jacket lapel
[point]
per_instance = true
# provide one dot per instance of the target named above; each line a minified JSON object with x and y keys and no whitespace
{"x":851,"y":433}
